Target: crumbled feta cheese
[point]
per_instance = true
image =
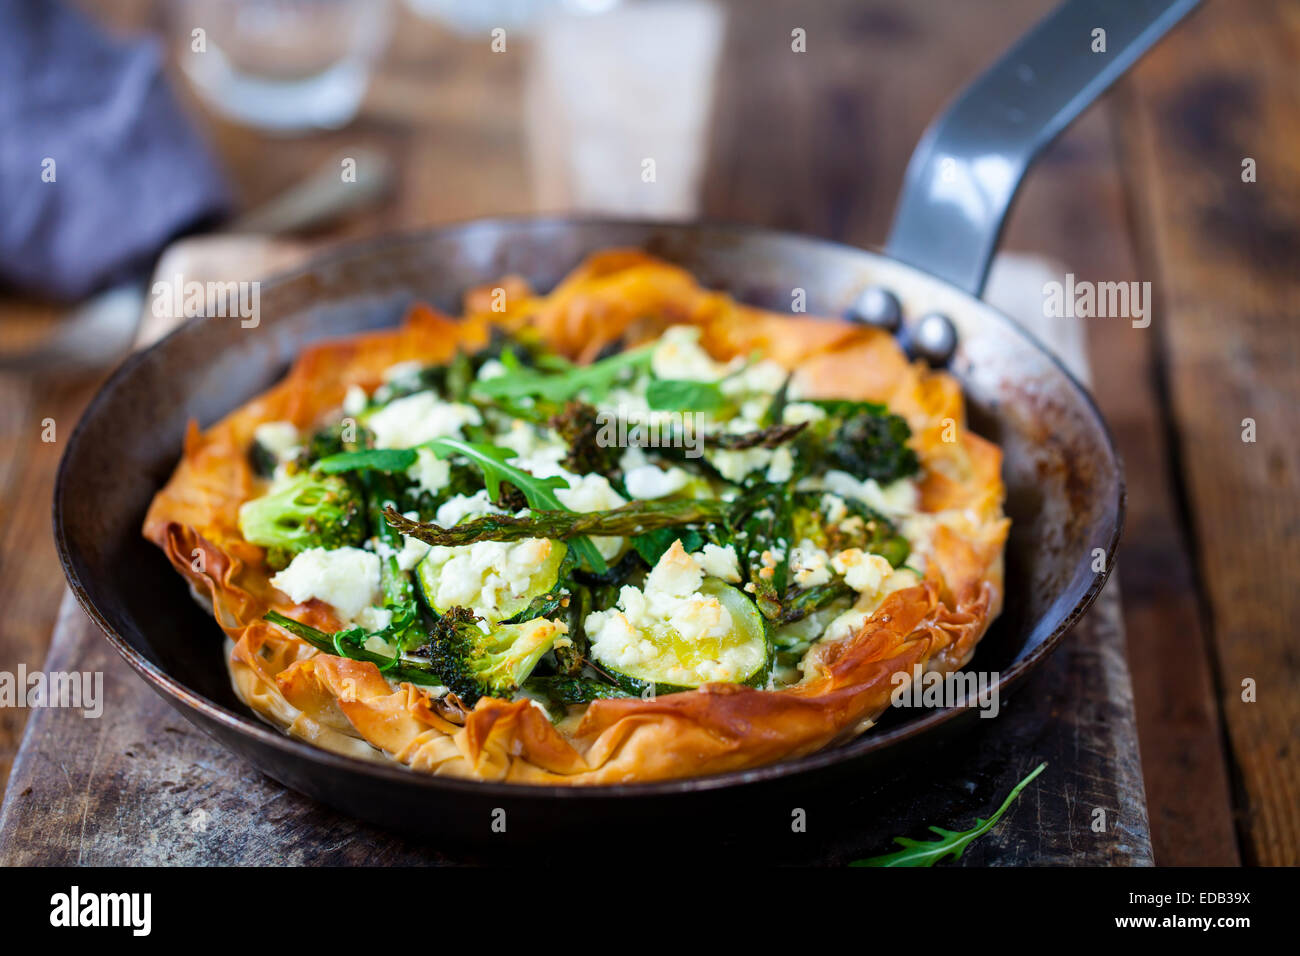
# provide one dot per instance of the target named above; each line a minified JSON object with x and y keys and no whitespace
{"x":810,"y":565}
{"x":719,"y":562}
{"x":589,"y":493}
{"x":675,"y":573}
{"x":492,"y":368}
{"x":868,"y":602}
{"x":898,"y":497}
{"x":458,"y":507}
{"x":782,"y":466}
{"x":355,"y":401}
{"x":633,"y":457}
{"x":735,"y":464}
{"x":346,"y":578}
{"x":413,"y":549}
{"x":765,"y":376}
{"x":650,"y":481}
{"x":402,"y":370}
{"x":679,"y":355}
{"x":616,"y":642}
{"x":835,"y":508}
{"x":484,"y":575}
{"x":418,"y":418}
{"x":374,"y":618}
{"x":279,"y":438}
{"x":862,"y":571}
{"x":798,"y":412}
{"x":429,"y":472}
{"x":621,"y":636}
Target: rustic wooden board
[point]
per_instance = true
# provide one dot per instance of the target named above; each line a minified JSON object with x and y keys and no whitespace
{"x":1224,"y":256}
{"x":141,"y":786}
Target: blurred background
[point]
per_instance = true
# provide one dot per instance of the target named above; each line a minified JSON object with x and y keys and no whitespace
{"x":233,"y":138}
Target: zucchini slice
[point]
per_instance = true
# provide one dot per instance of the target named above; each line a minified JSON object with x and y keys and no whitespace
{"x":542,"y":582}
{"x":746,"y":650}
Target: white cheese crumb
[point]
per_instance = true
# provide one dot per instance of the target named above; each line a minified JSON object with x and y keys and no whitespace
{"x":418,"y":418}
{"x":459,"y":507}
{"x":492,"y":368}
{"x":374,"y":618}
{"x":429,"y":472}
{"x":279,"y":438}
{"x":649,"y":481}
{"x":798,"y":412}
{"x":484,"y":575}
{"x":719,"y":562}
{"x":355,"y":401}
{"x":679,"y":355}
{"x":863,"y":572}
{"x":346,"y":578}
{"x":402,"y":370}
{"x":810,"y":565}
{"x":782,"y":466}
{"x":896,"y":498}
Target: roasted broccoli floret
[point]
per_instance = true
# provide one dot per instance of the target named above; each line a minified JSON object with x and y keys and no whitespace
{"x":861,"y":438}
{"x":579,"y":426}
{"x":322,"y":443}
{"x":874,"y":446}
{"x":304,"y":511}
{"x":473,"y":663}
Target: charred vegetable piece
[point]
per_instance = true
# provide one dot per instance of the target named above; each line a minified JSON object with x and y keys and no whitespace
{"x":579,"y":427}
{"x":474,"y":663}
{"x":861,"y":438}
{"x":574,"y":690}
{"x":631,"y":519}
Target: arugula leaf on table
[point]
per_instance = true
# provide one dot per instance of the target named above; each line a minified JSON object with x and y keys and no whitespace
{"x":950,"y":843}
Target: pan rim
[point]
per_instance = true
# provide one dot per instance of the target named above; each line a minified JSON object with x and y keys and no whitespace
{"x":188,"y":700}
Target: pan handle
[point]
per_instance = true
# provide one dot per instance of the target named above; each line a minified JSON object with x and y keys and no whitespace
{"x":969,"y":163}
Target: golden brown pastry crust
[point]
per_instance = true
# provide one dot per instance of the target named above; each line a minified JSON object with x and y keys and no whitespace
{"x":349,"y":707}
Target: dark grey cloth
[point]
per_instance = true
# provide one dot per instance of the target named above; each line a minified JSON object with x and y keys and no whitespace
{"x":129,"y":171}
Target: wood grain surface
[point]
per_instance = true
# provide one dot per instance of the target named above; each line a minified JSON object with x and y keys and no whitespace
{"x":1225,"y":255}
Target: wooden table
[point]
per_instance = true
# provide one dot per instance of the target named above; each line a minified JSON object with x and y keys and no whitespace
{"x":1147,"y":187}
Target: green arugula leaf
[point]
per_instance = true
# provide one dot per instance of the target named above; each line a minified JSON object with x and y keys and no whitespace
{"x":558,"y":386}
{"x":950,"y":842}
{"x":683,"y":395}
{"x":348,"y":643}
{"x":652,"y":545}
{"x":492,"y":461}
{"x":372,"y":459}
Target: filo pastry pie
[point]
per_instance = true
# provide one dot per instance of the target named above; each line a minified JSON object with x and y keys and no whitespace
{"x":629,"y":530}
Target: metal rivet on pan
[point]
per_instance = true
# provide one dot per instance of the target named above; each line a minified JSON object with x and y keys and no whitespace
{"x":879,"y":307}
{"x":933,"y":338}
